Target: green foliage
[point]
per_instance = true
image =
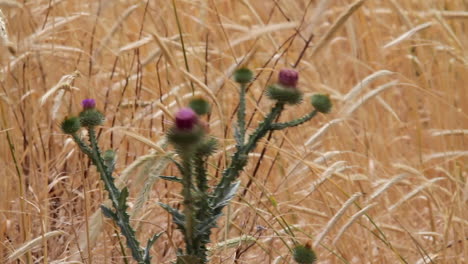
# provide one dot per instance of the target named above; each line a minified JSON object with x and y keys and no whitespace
{"x":284,"y":94}
{"x":70,"y":125}
{"x":200,"y":105}
{"x":243,"y":76}
{"x":303,"y":254}
{"x":203,"y":203}
{"x":322,"y":103}
{"x":185,"y":138}
{"x":91,"y":118}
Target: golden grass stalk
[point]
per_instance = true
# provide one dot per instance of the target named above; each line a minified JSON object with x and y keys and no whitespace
{"x":321,"y":131}
{"x":448,"y":132}
{"x":244,"y":240}
{"x":335,"y":219}
{"x":337,"y":25}
{"x":353,"y":219}
{"x":386,"y":186}
{"x":115,"y":27}
{"x":407,"y":35}
{"x":413,"y":193}
{"x":28,"y":246}
{"x":157,"y":167}
{"x":350,"y":109}
{"x":351,"y":95}
{"x":65,"y":83}
{"x":445,"y":154}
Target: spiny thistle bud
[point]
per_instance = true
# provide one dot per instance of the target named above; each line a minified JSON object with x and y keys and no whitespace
{"x":288,"y":77}
{"x":187,"y":129}
{"x":285,"y":94}
{"x":70,"y":125}
{"x":303,"y":254}
{"x":90,"y":117}
{"x":88,"y":104}
{"x":109,"y":155}
{"x":243,"y":76}
{"x":200,"y":105}
{"x":322,"y":103}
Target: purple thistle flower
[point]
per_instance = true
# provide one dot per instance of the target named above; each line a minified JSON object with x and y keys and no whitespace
{"x":288,"y":77}
{"x":88,"y":104}
{"x":186,"y":119}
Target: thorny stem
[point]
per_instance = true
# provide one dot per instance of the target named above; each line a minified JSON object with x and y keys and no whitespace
{"x":94,"y":154}
{"x":239,"y":159}
{"x":296,"y":122}
{"x":188,"y":201}
{"x":241,"y":116}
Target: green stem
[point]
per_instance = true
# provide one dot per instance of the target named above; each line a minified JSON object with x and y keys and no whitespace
{"x":188,"y":201}
{"x":122,"y":218}
{"x":241,"y":116}
{"x":239,"y":159}
{"x":296,"y":122}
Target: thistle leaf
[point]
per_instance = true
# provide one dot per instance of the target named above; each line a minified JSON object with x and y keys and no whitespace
{"x":107,"y":212}
{"x":226,"y":195}
{"x":123,"y":199}
{"x":177,"y":217}
{"x":149,"y":244}
{"x":171,"y":178}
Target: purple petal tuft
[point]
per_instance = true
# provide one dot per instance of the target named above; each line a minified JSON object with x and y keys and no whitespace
{"x":186,"y":119}
{"x":88,"y":104}
{"x":288,"y":78}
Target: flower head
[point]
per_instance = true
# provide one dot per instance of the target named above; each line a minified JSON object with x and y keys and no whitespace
{"x":303,"y":254}
{"x":70,"y":125}
{"x":186,"y":119}
{"x":88,"y":104}
{"x":321,"y":103}
{"x":243,"y":76}
{"x":288,"y":77}
{"x":200,"y":105}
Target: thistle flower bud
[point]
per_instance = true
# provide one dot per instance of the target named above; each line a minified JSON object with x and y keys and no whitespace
{"x":288,"y":77}
{"x":88,"y":104}
{"x":322,"y":103}
{"x":70,"y":125}
{"x":303,"y":254}
{"x":186,"y":119}
{"x":200,"y":105}
{"x":243,"y":76}
{"x":187,"y":129}
{"x":90,"y":117}
{"x":284,"y":94}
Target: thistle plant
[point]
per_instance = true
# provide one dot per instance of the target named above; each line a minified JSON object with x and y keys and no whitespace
{"x":203,"y":203}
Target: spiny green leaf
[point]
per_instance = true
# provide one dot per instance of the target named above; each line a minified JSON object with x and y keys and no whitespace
{"x":123,"y":199}
{"x":171,"y":178}
{"x":149,"y":244}
{"x":107,"y":212}
{"x":177,"y":217}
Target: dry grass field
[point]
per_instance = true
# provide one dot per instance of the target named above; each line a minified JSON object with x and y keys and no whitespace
{"x":381,"y":179}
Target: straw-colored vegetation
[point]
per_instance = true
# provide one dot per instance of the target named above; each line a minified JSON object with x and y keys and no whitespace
{"x":382,"y":179}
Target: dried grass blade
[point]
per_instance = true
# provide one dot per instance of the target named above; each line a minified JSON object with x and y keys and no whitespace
{"x":33,"y":243}
{"x":413,"y":193}
{"x":364,"y":83}
{"x":144,"y":140}
{"x":349,"y":110}
{"x":335,"y":218}
{"x":334,"y":28}
{"x":321,"y":131}
{"x":115,"y":27}
{"x":385,"y":186}
{"x":448,"y":132}
{"x":445,"y":154}
{"x":351,"y":221}
{"x":407,"y":34}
